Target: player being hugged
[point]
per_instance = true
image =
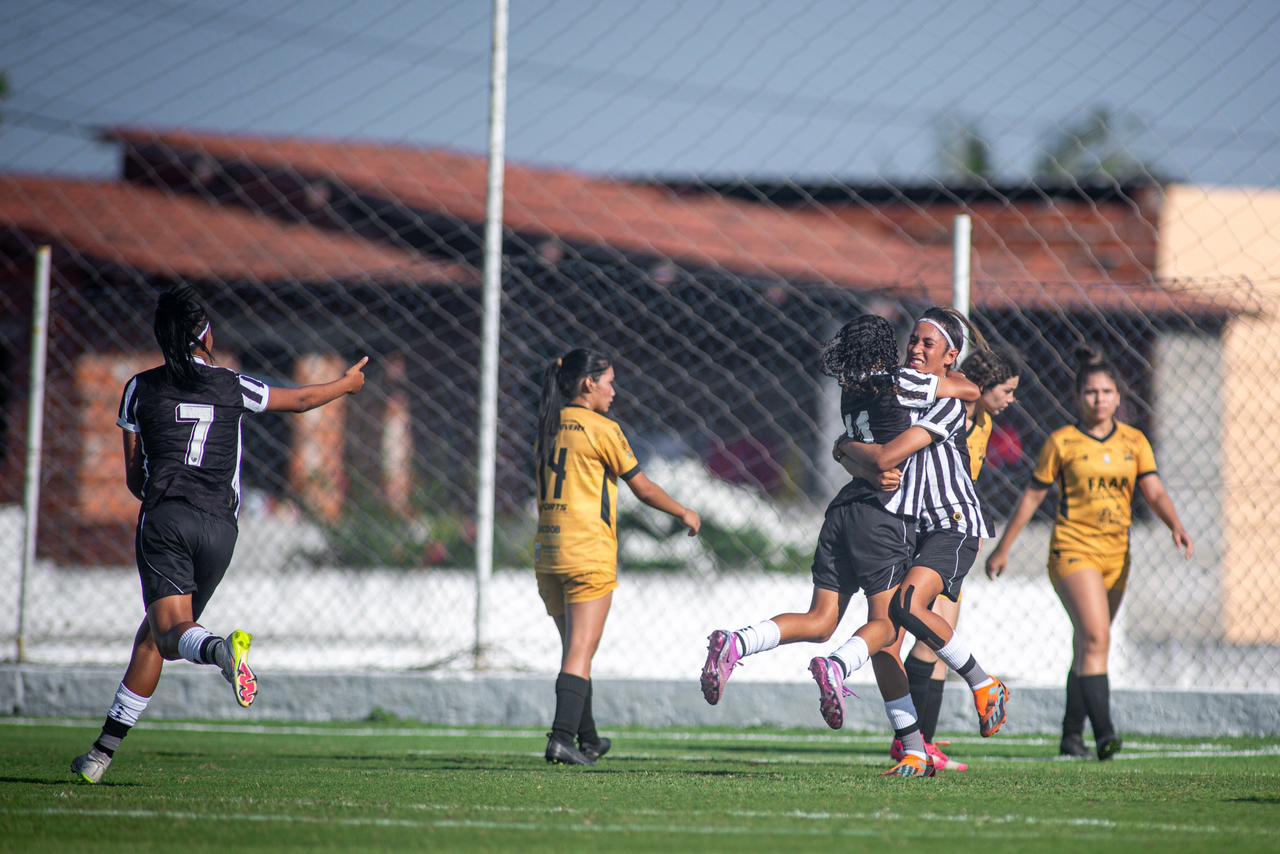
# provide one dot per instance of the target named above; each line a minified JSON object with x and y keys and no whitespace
{"x":182,"y":445}
{"x":580,"y":453}
{"x":1096,"y":465}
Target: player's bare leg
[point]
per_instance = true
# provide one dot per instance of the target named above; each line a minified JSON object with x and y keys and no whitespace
{"x":726,"y":649}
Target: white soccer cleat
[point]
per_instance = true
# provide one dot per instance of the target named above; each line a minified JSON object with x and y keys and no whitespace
{"x":91,"y":766}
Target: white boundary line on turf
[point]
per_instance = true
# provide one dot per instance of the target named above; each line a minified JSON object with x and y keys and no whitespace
{"x":1170,"y":749}
{"x":832,"y":823}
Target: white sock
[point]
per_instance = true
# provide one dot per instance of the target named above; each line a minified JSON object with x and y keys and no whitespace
{"x":852,"y":654}
{"x":760,"y":637}
{"x":902,"y":717}
{"x":956,"y":655}
{"x":190,"y":645}
{"x":128,"y":706}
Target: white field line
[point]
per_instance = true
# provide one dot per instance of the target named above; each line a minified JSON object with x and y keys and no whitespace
{"x":1166,"y":749}
{"x":815,"y":823}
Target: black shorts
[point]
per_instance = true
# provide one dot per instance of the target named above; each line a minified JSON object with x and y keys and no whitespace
{"x":862,"y":545}
{"x":182,"y":550}
{"x":950,"y":554}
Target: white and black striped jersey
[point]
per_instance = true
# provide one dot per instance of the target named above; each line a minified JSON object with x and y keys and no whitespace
{"x":940,"y":420}
{"x":879,"y":419}
{"x":191,"y":440}
{"x":947,"y":497}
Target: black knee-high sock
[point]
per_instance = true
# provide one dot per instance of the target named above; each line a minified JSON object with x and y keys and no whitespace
{"x":113,"y":732}
{"x":571,"y":696}
{"x":1073,"y":719}
{"x":919,"y":674}
{"x":1097,"y":702}
{"x":932,"y":708}
{"x":587,"y":726}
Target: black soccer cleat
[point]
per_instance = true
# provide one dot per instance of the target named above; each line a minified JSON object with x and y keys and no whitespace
{"x":559,"y":753}
{"x":593,"y":750}
{"x":1108,"y":746}
{"x":1073,"y":747}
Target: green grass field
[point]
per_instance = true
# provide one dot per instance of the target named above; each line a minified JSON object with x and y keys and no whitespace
{"x":395,"y":785}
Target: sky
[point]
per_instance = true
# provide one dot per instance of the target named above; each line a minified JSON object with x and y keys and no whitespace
{"x":851,"y":91}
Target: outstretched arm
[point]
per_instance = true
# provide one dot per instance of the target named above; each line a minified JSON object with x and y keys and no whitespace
{"x":656,"y":497}
{"x":310,"y":396}
{"x":1032,"y":497}
{"x":1153,"y":490}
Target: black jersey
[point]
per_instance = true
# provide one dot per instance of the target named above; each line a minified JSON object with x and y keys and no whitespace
{"x":879,"y":419}
{"x":191,"y":440}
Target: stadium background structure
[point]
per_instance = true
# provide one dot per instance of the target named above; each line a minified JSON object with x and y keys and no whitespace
{"x":719,"y":290}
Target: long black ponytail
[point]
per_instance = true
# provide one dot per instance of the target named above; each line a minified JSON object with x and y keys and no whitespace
{"x":561,"y":383}
{"x":181,"y":322}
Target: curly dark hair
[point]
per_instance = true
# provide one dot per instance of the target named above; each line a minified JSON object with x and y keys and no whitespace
{"x":990,"y":368}
{"x":863,"y":356}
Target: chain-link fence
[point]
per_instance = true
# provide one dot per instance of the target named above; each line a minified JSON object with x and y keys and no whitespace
{"x":357,"y":544}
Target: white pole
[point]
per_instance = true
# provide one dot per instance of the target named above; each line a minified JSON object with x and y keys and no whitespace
{"x":35,"y":433}
{"x":488,"y":438}
{"x":961,"y":243}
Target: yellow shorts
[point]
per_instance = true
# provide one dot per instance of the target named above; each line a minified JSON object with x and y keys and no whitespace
{"x":574,"y":586}
{"x":1114,"y":569}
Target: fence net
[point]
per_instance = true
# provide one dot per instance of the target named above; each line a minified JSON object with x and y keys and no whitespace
{"x":712,"y":295}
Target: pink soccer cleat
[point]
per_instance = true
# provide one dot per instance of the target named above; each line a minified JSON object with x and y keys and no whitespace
{"x":722,"y":658}
{"x":831,"y":690}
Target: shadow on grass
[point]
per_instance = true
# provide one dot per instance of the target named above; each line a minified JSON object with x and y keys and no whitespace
{"x":65,"y":781}
{"x":1270,"y":800}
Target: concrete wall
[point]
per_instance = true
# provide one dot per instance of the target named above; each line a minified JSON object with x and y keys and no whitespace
{"x":1227,"y":242}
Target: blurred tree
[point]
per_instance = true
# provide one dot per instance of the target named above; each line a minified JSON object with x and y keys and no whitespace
{"x":1095,"y":148}
{"x":963,"y":153}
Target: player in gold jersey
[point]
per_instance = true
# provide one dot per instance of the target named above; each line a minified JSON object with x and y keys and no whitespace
{"x":996,"y":375}
{"x":1096,"y":465}
{"x":580,"y":453}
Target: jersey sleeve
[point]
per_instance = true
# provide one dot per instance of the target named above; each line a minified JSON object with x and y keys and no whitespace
{"x":254,"y":394}
{"x":943,"y":419}
{"x":1049,"y":465}
{"x":1146,"y":456}
{"x":616,"y":452}
{"x":916,"y":390}
{"x":128,"y":419}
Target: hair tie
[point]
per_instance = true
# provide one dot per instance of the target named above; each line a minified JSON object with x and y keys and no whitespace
{"x":559,"y":362}
{"x":940,"y":328}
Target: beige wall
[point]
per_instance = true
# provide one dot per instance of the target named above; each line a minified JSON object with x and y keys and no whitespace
{"x":1222,"y":234}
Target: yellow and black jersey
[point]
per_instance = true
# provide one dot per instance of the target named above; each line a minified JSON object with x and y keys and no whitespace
{"x":1095,"y":479}
{"x":578,"y":492}
{"x":978,"y":438}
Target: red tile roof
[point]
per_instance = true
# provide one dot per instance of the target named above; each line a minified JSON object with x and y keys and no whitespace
{"x":157,"y":233}
{"x":704,"y":231}
{"x":700,"y":230}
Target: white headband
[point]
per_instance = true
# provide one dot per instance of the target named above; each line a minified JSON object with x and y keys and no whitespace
{"x":203,"y":332}
{"x":939,"y":327}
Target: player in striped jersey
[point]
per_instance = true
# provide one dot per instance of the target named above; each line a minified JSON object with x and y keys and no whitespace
{"x":867,"y":534}
{"x":1097,"y":465}
{"x":997,"y":375}
{"x":950,"y":523}
{"x":182,"y":448}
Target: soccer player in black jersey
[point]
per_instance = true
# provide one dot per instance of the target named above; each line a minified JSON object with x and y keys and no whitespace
{"x":182,"y":449}
{"x":866,"y":539}
{"x":950,"y":522}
